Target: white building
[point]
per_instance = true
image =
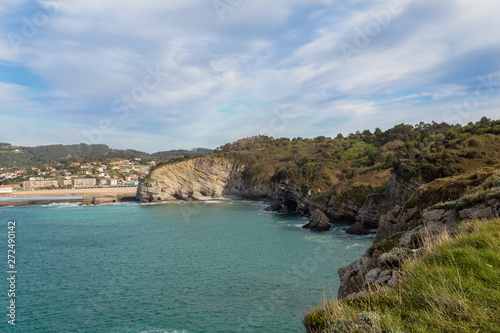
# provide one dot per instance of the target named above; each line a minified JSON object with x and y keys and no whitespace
{"x":5,"y":189}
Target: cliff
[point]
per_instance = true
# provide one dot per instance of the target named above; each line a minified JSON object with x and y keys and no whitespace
{"x":208,"y":178}
{"x":448,"y":285}
{"x":434,"y":208}
{"x":204,"y":178}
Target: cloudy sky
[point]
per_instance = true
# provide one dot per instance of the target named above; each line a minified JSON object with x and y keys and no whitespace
{"x":156,"y":75}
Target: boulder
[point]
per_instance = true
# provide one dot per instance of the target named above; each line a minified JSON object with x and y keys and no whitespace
{"x":434,"y":215}
{"x":319,"y":221}
{"x":357,"y":229}
{"x":480,"y":212}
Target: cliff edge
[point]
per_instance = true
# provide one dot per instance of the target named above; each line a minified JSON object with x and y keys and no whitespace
{"x":198,"y":179}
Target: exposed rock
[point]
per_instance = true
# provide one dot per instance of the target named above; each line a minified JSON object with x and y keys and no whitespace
{"x":434,"y":215}
{"x":383,"y":277}
{"x":288,"y":198}
{"x":101,"y":199}
{"x":344,"y":213}
{"x":494,"y":203}
{"x":319,"y":221}
{"x":208,"y":178}
{"x":414,"y":225}
{"x":395,"y":221}
{"x":357,"y":229}
{"x":352,"y":276}
{"x":393,"y":281}
{"x":372,"y":276}
{"x":481,"y":212}
{"x":199,"y":179}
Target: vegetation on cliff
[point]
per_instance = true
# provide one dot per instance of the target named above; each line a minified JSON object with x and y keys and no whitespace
{"x":453,"y":285}
{"x":361,"y":163}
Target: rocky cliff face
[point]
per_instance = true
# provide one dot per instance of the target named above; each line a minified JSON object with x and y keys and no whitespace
{"x":217,"y":178}
{"x":363,"y":214}
{"x":402,"y":229}
{"x":199,"y":179}
{"x":397,"y":192}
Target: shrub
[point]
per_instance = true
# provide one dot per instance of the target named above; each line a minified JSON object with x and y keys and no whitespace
{"x":395,"y":257}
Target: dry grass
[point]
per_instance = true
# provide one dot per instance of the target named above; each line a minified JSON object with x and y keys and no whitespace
{"x":453,"y":286}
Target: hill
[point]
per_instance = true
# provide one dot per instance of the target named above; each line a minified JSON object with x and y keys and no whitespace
{"x":16,"y":156}
{"x":425,"y":152}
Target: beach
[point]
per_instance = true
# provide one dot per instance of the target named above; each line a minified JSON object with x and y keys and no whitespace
{"x":124,"y":191}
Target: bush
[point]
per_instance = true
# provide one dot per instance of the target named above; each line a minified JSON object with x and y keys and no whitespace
{"x":395,"y":257}
{"x":366,"y":322}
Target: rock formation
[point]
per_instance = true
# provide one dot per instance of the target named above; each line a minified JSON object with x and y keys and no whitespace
{"x":402,"y":229}
{"x":203,"y":178}
{"x":101,"y":199}
{"x":319,"y":221}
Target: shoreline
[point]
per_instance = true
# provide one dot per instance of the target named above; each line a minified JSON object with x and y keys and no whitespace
{"x":126,"y":191}
{"x":37,"y":202}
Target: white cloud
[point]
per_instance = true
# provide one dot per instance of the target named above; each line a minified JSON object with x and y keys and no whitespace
{"x":228,"y":77}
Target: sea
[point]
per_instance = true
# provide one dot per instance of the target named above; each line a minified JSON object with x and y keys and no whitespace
{"x":165,"y":268}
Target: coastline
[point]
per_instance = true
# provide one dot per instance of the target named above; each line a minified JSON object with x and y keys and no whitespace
{"x":37,"y":202}
{"x":82,"y":196}
{"x":125,"y":191}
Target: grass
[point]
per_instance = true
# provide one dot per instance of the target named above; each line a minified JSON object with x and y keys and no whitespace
{"x":488,"y":190}
{"x":447,"y":192}
{"x":453,"y":286}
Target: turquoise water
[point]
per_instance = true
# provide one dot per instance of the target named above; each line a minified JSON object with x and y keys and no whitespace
{"x":196,"y":267}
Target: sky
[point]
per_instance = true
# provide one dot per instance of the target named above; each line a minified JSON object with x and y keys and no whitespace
{"x":157,"y":75}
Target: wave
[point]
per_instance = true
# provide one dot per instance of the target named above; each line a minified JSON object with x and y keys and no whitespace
{"x":62,"y":205}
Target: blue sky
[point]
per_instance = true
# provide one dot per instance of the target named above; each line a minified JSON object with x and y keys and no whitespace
{"x":157,"y":75}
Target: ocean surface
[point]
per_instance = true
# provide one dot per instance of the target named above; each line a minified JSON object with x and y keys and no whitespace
{"x":169,"y":268}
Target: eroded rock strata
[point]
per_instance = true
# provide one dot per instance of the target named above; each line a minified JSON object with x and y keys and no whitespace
{"x":199,"y":179}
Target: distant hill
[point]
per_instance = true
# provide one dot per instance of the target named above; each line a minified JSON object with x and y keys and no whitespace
{"x":168,"y":155}
{"x":16,"y":156}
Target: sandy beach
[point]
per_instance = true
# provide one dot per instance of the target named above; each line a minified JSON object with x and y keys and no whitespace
{"x":126,"y":191}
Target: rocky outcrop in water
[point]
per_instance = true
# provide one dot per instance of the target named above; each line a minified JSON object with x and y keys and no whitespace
{"x":319,"y":221}
{"x":102,"y":199}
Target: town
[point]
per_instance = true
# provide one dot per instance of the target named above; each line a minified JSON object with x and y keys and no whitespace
{"x":75,"y":175}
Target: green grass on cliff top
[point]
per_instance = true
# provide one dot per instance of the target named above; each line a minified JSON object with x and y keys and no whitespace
{"x":453,"y":287}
